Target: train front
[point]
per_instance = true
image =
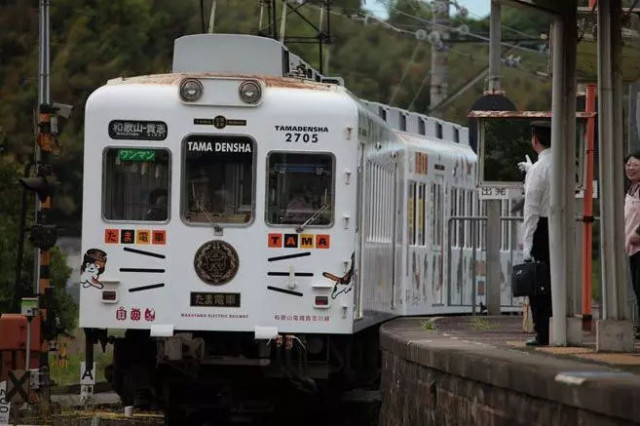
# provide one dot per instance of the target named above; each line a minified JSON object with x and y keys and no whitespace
{"x":219,"y":219}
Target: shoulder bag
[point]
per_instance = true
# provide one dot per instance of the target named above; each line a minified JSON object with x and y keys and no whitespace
{"x":531,"y":278}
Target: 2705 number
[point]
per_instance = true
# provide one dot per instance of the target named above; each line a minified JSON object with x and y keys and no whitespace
{"x":301,"y":137}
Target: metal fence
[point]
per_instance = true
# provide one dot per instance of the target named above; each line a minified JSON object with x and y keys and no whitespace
{"x":477,"y":233}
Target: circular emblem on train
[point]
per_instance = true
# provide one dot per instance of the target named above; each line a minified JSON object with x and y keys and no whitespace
{"x":216,"y":262}
{"x":220,"y":121}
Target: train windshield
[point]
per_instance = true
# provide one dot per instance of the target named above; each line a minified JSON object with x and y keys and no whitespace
{"x":300,"y":189}
{"x":218,"y":179}
{"x":136,"y":184}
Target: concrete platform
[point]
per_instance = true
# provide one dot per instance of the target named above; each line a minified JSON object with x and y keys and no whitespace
{"x":477,"y":370}
{"x":98,"y":399}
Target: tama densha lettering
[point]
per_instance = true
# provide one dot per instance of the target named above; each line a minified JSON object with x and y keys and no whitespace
{"x":317,"y":129}
{"x":201,"y":146}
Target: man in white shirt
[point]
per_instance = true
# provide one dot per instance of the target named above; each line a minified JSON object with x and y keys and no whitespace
{"x":536,"y":227}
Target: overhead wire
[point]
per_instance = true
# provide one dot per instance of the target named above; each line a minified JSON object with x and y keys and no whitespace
{"x":404,"y":73}
{"x":367,"y":18}
{"x":470,"y":34}
{"x":506,"y":27}
{"x":459,"y":7}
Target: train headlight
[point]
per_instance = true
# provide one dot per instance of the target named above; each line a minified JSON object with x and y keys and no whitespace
{"x":250,"y":92}
{"x":190,"y":90}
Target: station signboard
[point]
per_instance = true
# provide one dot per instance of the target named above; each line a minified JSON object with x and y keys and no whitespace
{"x":504,"y":140}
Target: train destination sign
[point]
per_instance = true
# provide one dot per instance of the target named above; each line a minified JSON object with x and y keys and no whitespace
{"x":144,"y":155}
{"x":207,"y":146}
{"x":138,"y":130}
{"x":213,"y":146}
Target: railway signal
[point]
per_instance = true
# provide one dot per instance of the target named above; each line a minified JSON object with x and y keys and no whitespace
{"x":43,"y":234}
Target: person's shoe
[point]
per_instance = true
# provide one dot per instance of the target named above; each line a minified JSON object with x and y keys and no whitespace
{"x":535,"y":342}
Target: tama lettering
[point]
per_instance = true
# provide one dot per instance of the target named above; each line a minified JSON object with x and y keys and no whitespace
{"x":304,"y":241}
{"x":198,"y":146}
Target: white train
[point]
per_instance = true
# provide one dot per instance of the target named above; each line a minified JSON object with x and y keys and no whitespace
{"x":246,"y":213}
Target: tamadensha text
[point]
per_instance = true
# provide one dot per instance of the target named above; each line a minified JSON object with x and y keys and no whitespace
{"x":219,"y":146}
{"x":315,"y":129}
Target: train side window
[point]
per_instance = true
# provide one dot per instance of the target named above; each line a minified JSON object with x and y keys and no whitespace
{"x":411,"y":213}
{"x":436,"y":214}
{"x":370,"y":197}
{"x":218,"y":184}
{"x":505,"y":224}
{"x":454,"y":211}
{"x":461,"y":223}
{"x":421,"y":217}
{"x":469,"y":212}
{"x":300,"y":189}
{"x":422,"y":128}
{"x":135,"y":184}
{"x":483,"y":230}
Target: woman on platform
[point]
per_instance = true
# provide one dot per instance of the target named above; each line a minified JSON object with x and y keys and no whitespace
{"x":632,"y":222}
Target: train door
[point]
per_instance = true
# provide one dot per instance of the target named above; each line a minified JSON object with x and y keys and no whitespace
{"x":360,"y":234}
{"x":437,"y":238}
{"x":396,"y":249}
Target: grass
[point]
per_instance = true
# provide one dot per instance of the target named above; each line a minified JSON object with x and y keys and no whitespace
{"x":429,"y":325}
{"x":481,"y":324}
{"x":69,"y":373}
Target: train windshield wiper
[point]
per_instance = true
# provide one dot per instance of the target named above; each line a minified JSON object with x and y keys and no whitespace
{"x":317,"y":214}
{"x":216,"y":227}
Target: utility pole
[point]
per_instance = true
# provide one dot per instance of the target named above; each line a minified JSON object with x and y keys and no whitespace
{"x":494,"y":207}
{"x":439,"y":57}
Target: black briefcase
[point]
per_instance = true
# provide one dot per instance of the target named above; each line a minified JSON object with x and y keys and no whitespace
{"x":530,"y":279}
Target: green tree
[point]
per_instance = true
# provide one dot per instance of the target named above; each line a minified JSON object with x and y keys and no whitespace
{"x":10,"y":206}
{"x":10,"y":201}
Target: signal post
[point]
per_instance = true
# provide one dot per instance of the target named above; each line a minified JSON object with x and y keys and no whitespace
{"x":43,"y":234}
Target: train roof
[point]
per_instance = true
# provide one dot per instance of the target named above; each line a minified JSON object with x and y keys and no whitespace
{"x":420,"y":125}
{"x":174,"y":79}
{"x":418,"y":143}
{"x":252,"y":57}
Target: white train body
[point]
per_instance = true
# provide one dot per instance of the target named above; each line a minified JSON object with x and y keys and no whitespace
{"x":155,"y":98}
{"x":186,"y":222}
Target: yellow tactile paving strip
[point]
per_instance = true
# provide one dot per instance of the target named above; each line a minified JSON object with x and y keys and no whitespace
{"x":565,"y":350}
{"x":584,"y":353}
{"x":613,"y":358}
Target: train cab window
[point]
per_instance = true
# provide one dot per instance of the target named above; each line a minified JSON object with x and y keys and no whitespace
{"x":136,"y":184}
{"x":218,"y":179}
{"x":300,"y":189}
